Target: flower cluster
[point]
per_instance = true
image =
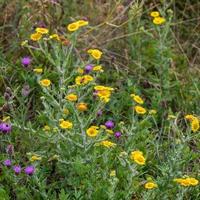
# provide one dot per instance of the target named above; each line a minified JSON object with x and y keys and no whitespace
{"x":157,"y":19}
{"x":187,"y":181}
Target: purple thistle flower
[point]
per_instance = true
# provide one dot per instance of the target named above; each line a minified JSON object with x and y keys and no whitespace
{"x":10,"y":149}
{"x":7,"y":163}
{"x":109,"y":124}
{"x":88,"y":68}
{"x":5,"y":128}
{"x":118,"y":134}
{"x":29,"y":170}
{"x":17,"y":169}
{"x":26,"y":61}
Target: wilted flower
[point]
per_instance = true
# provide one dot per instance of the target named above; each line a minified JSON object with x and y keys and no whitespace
{"x":25,"y":90}
{"x":10,"y":149}
{"x":29,"y":170}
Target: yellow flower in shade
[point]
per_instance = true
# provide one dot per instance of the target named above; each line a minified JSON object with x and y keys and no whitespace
{"x":137,"y":99}
{"x":83,"y":80}
{"x":82,"y":106}
{"x":35,"y":158}
{"x":38,"y":70}
{"x":54,"y":36}
{"x":140,"y":110}
{"x":155,"y":14}
{"x":152,"y":112}
{"x":98,"y":68}
{"x":92,"y":131}
{"x":195,"y":125}
{"x":159,"y":20}
{"x":138,"y":157}
{"x":109,"y":131}
{"x":23,"y":43}
{"x":107,"y":144}
{"x":190,"y":117}
{"x":73,"y":27}
{"x":71,"y":97}
{"x":150,"y":185}
{"x":65,"y":111}
{"x":65,"y":124}
{"x":95,"y":53}
{"x":45,"y":82}
{"x":36,"y":36}
{"x":42,"y":30}
{"x":82,"y":23}
{"x":113,"y":173}
{"x":80,"y":71}
{"x":46,"y":128}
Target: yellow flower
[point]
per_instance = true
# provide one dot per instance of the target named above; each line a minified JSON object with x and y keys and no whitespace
{"x":82,"y":106}
{"x":195,"y":124}
{"x":159,"y":20}
{"x":107,"y":144}
{"x":54,"y":36}
{"x":73,"y":27}
{"x":140,"y":110}
{"x":65,"y":124}
{"x":190,"y":117}
{"x":150,"y":185}
{"x":46,"y":128}
{"x":103,"y":92}
{"x":92,"y":131}
{"x":138,"y":157}
{"x":95,"y":53}
{"x":192,"y":181}
{"x":97,"y":68}
{"x":109,"y":131}
{"x":182,"y":181}
{"x":42,"y":30}
{"x":36,"y":36}
{"x":35,"y":158}
{"x":83,"y":80}
{"x":137,"y":99}
{"x":80,"y":71}
{"x":38,"y":70}
{"x":71,"y":97}
{"x":45,"y":82}
{"x":23,"y":43}
{"x":65,"y":111}
{"x":155,"y":14}
{"x":152,"y":112}
{"x":82,"y":23}
{"x":113,"y":173}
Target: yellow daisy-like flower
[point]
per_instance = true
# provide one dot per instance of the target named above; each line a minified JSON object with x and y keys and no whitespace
{"x":35,"y":158}
{"x":65,"y":124}
{"x":95,"y":53}
{"x":54,"y":36}
{"x":42,"y":30}
{"x":150,"y":185}
{"x":73,"y":27}
{"x":92,"y":131}
{"x":38,"y":70}
{"x":193,"y":181}
{"x":82,"y":23}
{"x":103,"y":92}
{"x":113,"y":173}
{"x":82,"y":106}
{"x":187,"y":181}
{"x":190,"y":117}
{"x":138,"y":157}
{"x":195,"y":125}
{"x":155,"y":14}
{"x":97,"y":68}
{"x":137,"y":99}
{"x":140,"y":110}
{"x":159,"y":20}
{"x":107,"y":144}
{"x":36,"y":36}
{"x":71,"y":97}
{"x":45,"y":82}
{"x":83,"y":80}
